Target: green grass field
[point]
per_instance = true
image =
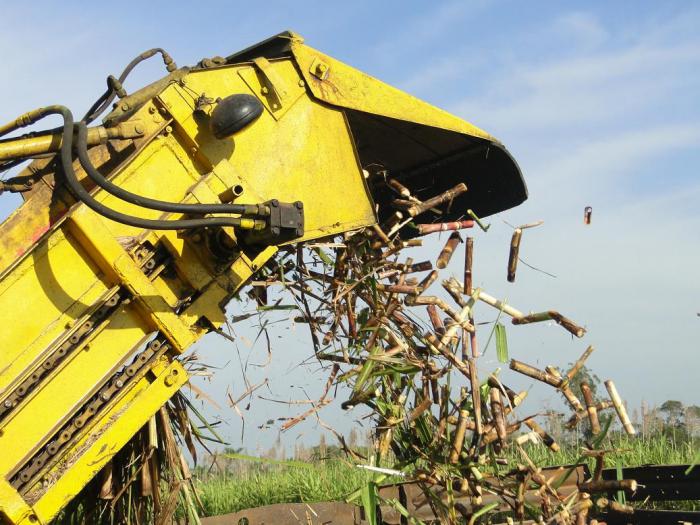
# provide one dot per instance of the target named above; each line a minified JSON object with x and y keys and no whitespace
{"x":264,"y":484}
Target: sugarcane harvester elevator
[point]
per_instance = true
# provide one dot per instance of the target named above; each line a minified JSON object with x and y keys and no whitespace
{"x":134,"y":234}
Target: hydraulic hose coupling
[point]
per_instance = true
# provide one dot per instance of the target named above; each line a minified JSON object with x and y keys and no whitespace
{"x":116,"y":86}
{"x":170,"y":64}
{"x":24,"y":120}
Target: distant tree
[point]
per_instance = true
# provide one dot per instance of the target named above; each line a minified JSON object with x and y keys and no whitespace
{"x":672,"y":411}
{"x":675,"y":425}
{"x":322,"y":445}
{"x":554,"y":424}
{"x":692,"y":419}
{"x":353,"y":439}
{"x":584,"y":375}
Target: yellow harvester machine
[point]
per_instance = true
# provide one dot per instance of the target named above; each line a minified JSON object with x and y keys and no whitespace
{"x":134,"y":234}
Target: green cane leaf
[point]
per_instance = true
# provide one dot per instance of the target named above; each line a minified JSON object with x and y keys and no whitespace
{"x":501,"y":343}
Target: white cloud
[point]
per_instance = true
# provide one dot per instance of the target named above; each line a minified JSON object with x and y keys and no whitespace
{"x":592,"y":89}
{"x":423,"y":29}
{"x":582,"y":27}
{"x":601,"y":164}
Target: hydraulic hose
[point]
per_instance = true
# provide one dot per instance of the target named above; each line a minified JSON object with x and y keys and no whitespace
{"x":108,"y":96}
{"x":150,"y":224}
{"x":146,"y":202}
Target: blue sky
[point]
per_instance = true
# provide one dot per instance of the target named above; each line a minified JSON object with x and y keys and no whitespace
{"x":598,"y":102}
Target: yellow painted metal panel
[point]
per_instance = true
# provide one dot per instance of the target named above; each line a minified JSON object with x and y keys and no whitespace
{"x":111,"y":257}
{"x":59,"y":398}
{"x":97,"y":448}
{"x":13,"y":507}
{"x":341,"y":85}
{"x":53,"y":286}
{"x":318,"y":167}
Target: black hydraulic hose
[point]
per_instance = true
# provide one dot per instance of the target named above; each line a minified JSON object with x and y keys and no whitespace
{"x":108,"y":96}
{"x":155,"y":204}
{"x":84,"y":196}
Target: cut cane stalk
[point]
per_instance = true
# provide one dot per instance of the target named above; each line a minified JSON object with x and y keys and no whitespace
{"x":446,"y":254}
{"x":453,"y":288}
{"x":500,"y":305}
{"x":513,"y":256}
{"x":425,"y":229}
{"x":590,"y":408}
{"x":435,"y":319}
{"x":608,"y":485}
{"x":458,"y":441}
{"x":605,"y":503}
{"x":420,"y":409}
{"x":398,"y":288}
{"x":492,"y":435}
{"x":498,"y":417}
{"x":535,"y":373}
{"x":566,"y":390}
{"x":428,"y":281}
{"x":408,"y":267}
{"x":620,"y":408}
{"x":578,"y":416}
{"x":579,"y":363}
{"x":514,"y":398}
{"x":476,"y":396}
{"x":546,"y":438}
{"x":449,"y":195}
{"x":468,"y":261}
{"x":458,"y":317}
{"x":399,"y":188}
{"x":552,"y":315}
{"x":394,"y":219}
{"x":473,"y":343}
{"x":599,"y":457}
{"x":381,"y":234}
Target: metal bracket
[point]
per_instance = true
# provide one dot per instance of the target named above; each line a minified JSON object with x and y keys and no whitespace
{"x":285,"y":222}
{"x":273,"y":80}
{"x":319,"y":69}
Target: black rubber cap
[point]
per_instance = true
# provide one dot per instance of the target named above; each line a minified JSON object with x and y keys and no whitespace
{"x":233,"y":114}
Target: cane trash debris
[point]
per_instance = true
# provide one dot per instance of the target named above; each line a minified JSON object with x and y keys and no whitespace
{"x":411,"y":358}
